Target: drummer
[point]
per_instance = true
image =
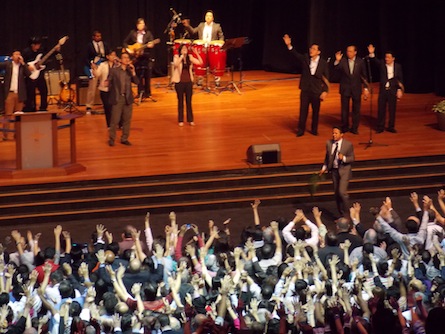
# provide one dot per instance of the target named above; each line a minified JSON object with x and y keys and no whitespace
{"x":207,"y":31}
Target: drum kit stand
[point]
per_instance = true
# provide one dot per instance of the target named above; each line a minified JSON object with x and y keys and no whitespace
{"x":214,"y":56}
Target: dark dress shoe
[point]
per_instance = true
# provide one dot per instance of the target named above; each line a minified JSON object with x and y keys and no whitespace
{"x":379,"y":131}
{"x":126,"y":142}
{"x":315,"y":133}
{"x":391,"y":130}
{"x":111,"y":142}
{"x":300,"y":133}
{"x":355,"y":132}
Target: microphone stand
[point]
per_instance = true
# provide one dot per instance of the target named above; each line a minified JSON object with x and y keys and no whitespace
{"x":370,"y":142}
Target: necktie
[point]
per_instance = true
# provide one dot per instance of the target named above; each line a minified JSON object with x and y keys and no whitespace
{"x":334,"y":156}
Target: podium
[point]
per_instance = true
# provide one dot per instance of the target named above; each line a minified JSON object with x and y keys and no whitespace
{"x":37,"y":147}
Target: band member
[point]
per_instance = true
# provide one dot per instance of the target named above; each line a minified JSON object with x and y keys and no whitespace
{"x":121,"y":98}
{"x":183,"y":79}
{"x":30,"y":54}
{"x":391,"y":89}
{"x":14,"y":87}
{"x":314,"y":84}
{"x":101,"y":73}
{"x":207,"y":31}
{"x":352,"y":72}
{"x":96,"y":51}
{"x":143,"y":59}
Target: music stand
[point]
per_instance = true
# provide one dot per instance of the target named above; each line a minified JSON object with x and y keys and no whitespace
{"x":237,"y":43}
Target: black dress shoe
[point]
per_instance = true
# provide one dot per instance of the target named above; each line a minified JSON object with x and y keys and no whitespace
{"x":315,"y":133}
{"x":379,"y":131}
{"x":391,"y":130}
{"x":111,"y":142}
{"x":126,"y":142}
{"x":300,"y":133}
{"x":355,"y":132}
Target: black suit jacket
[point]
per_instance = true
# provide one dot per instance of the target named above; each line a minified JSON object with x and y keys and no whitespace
{"x":351,"y":84}
{"x":347,"y":149}
{"x":396,"y":82}
{"x":132,"y":38}
{"x":115,"y":86}
{"x":23,"y":73}
{"x":217,"y":33}
{"x":91,"y":52}
{"x":316,"y":83}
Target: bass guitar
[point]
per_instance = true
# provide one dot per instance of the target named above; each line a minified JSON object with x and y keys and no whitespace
{"x":88,"y":69}
{"x":67,"y":94}
{"x":37,"y":64}
{"x":137,"y":48}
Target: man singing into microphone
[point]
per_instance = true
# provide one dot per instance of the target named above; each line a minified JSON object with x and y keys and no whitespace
{"x":121,"y":98}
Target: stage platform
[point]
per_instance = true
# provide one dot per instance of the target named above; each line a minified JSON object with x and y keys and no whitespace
{"x":227,"y":123}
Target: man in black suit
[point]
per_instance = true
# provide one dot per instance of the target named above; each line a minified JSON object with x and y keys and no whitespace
{"x":391,"y":89}
{"x":121,"y":98}
{"x":352,"y":71}
{"x":96,"y":52}
{"x":14,"y":87}
{"x":338,"y":159}
{"x":143,"y":59}
{"x":314,"y":84}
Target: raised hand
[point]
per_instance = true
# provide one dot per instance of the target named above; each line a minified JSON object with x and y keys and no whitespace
{"x":338,"y":56}
{"x":255,"y":204}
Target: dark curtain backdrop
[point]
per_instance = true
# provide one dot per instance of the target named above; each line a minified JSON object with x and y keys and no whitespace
{"x":412,"y":29}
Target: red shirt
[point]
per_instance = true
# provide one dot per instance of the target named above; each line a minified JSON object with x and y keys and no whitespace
{"x":39,"y":269}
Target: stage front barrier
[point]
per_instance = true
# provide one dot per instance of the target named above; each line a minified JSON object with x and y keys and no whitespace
{"x":37,"y":151}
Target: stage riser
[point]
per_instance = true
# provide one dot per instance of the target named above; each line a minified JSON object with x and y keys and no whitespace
{"x":56,"y":203}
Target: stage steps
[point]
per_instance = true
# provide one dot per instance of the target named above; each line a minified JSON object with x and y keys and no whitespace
{"x":31,"y":204}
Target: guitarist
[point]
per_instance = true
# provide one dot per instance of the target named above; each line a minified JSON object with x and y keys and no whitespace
{"x":143,"y":59}
{"x":96,"y":52}
{"x":29,"y":54}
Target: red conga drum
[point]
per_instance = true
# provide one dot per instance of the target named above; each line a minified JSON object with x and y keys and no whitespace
{"x":217,"y":58}
{"x":178,"y":43}
{"x":201,"y":49}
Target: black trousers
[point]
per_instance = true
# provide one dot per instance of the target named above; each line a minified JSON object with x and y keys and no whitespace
{"x":386,"y":98}
{"x":306,"y":99}
{"x":184,"y":89}
{"x":107,"y":106}
{"x":31,"y":85}
{"x":356,"y":104}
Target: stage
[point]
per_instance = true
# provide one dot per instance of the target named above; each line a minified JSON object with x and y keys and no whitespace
{"x":227,"y":123}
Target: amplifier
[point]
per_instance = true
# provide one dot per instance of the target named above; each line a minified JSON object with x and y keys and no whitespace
{"x":82,"y":90}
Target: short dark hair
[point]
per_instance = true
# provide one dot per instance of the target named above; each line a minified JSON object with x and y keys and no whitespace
{"x":338,"y":127}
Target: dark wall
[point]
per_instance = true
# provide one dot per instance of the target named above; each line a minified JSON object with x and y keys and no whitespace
{"x":411,"y":29}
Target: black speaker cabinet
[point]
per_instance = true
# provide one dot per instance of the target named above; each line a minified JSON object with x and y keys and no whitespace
{"x":261,"y":154}
{"x":82,"y":89}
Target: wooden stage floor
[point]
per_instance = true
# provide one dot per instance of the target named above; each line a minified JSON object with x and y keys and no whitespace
{"x":226,"y":125}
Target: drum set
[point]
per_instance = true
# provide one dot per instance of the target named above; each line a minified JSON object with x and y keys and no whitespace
{"x":213,"y":55}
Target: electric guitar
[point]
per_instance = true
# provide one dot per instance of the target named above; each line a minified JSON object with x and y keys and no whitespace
{"x":67,"y":94}
{"x":88,"y":70}
{"x":137,"y":48}
{"x":37,"y":63}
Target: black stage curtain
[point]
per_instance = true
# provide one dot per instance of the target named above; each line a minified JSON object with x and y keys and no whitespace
{"x":412,"y":29}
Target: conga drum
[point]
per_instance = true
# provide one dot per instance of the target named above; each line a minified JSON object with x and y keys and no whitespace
{"x":217,"y":58}
{"x":200,"y":48}
{"x":178,"y":43}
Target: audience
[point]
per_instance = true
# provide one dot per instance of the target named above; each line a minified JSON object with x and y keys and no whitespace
{"x":300,"y":277}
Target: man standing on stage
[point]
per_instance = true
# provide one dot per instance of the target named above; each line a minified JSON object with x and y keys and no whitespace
{"x":14,"y":86}
{"x":30,"y":54}
{"x":338,"y":159}
{"x":207,"y":31}
{"x":391,"y":89}
{"x":314,"y":84}
{"x":143,"y":59}
{"x":352,"y":72}
{"x":96,"y":51}
{"x":121,"y":98}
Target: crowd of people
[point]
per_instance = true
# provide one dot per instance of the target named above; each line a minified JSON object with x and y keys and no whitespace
{"x":380,"y":276}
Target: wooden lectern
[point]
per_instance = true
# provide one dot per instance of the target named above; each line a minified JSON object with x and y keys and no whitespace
{"x":36,"y":135}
